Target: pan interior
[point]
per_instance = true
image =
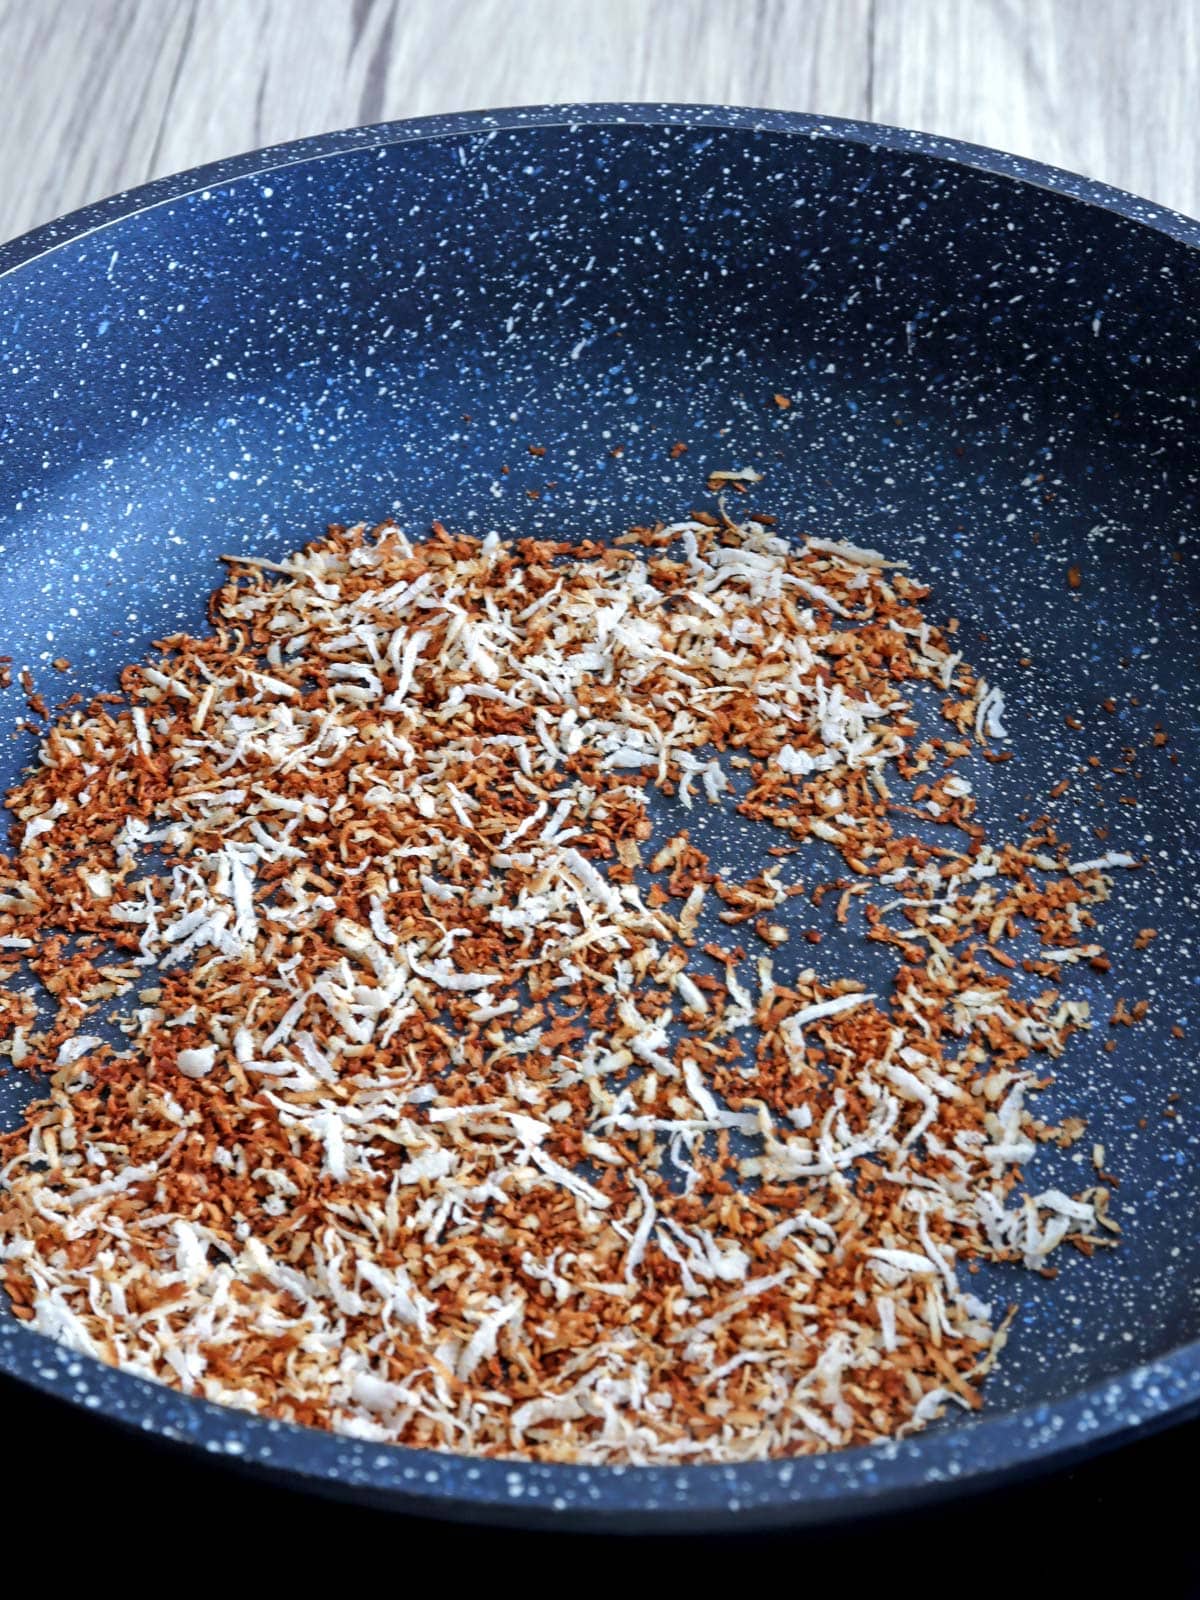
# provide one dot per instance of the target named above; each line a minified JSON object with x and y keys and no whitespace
{"x":988,"y":380}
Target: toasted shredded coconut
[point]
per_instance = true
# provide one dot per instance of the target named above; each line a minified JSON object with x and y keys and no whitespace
{"x":416,"y":1074}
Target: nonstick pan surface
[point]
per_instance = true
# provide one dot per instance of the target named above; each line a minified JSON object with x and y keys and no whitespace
{"x":994,"y":371}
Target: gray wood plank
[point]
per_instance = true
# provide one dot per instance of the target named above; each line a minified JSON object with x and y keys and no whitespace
{"x":85,"y":91}
{"x":97,"y":95}
{"x":1104,"y":87}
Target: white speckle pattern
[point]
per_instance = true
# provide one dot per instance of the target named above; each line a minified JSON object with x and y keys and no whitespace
{"x":987,"y":377}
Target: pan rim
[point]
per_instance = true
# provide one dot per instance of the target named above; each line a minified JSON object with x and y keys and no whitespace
{"x":794,"y":1491}
{"x":104,"y":213}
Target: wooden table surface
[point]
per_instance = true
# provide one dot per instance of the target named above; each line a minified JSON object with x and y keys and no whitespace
{"x":97,"y":95}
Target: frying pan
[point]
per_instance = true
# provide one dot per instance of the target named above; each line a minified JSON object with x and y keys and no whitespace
{"x":994,"y":370}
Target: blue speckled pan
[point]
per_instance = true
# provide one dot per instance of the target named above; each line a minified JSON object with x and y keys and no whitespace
{"x":995,"y":371}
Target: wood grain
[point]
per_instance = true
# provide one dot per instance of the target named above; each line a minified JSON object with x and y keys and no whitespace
{"x":1104,"y":87}
{"x":97,"y":95}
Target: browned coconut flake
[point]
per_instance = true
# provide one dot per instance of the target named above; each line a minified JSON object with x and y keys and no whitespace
{"x":446,"y":1107}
